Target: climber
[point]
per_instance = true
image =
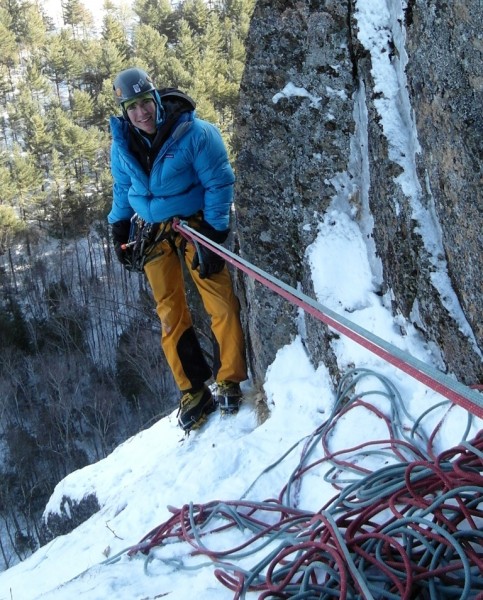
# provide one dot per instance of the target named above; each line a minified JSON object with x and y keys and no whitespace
{"x":168,"y":163}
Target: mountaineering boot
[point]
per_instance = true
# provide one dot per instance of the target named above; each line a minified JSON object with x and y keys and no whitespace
{"x":194,"y":407}
{"x":228,"y":397}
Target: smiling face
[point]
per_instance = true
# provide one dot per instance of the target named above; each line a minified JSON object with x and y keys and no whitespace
{"x":142,"y":114}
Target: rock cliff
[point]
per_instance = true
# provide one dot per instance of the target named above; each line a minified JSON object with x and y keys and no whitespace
{"x":314,"y":127}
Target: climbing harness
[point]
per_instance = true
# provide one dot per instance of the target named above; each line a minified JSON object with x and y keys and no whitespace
{"x":469,"y":399}
{"x":142,"y":242}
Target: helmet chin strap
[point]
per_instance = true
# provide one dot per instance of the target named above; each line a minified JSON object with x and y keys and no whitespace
{"x":160,"y":113}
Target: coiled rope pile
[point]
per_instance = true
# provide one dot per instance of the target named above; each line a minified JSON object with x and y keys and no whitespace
{"x":410,"y":530}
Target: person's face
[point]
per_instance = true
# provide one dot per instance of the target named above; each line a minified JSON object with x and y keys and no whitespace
{"x":142,"y":114}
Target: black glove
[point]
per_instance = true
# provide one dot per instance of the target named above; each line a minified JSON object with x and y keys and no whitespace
{"x":120,"y":237}
{"x":208,"y":261}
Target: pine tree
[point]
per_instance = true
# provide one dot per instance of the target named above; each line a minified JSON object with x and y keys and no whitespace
{"x":90,"y":59}
{"x":196,"y":14}
{"x":19,"y":112}
{"x":151,"y":52}
{"x":105,"y":105}
{"x":77,"y":146}
{"x":39,"y":140}
{"x":10,"y":226}
{"x":9,"y":55}
{"x":114,"y":32}
{"x":82,"y":108}
{"x":156,"y":13}
{"x":239,"y":12}
{"x":7,"y":187}
{"x":33,"y":26}
{"x":6,"y":89}
{"x":63,"y":65}
{"x":13,"y":8}
{"x":35,"y":81}
{"x":213,"y":64}
{"x":78,"y":17}
{"x":112,"y":61}
{"x":188,"y":48}
{"x":55,"y":192}
{"x":28,"y":182}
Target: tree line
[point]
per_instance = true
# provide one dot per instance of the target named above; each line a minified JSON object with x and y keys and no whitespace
{"x":56,"y":95}
{"x":80,"y":371}
{"x":80,"y":363}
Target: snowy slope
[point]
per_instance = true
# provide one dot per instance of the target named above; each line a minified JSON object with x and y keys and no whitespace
{"x":160,"y":468}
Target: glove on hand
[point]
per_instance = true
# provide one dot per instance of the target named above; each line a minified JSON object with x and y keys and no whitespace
{"x":209,"y":262}
{"x":120,"y":236}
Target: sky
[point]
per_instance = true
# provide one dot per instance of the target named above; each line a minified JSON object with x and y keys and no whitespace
{"x":235,"y":459}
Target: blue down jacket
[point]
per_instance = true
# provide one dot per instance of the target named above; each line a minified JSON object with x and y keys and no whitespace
{"x":190,"y":173}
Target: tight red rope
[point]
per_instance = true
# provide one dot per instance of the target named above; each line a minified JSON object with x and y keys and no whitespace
{"x":468,"y":398}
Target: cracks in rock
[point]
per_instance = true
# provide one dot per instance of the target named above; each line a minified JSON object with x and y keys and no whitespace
{"x":352,"y":51}
{"x":408,"y":19}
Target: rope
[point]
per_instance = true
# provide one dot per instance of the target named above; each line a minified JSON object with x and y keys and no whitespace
{"x":468,"y":398}
{"x":409,"y":530}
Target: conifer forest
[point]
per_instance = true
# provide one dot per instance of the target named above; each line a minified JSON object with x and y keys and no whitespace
{"x":81,"y":368}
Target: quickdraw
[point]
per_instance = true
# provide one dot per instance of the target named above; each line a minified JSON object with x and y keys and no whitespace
{"x":143,"y":239}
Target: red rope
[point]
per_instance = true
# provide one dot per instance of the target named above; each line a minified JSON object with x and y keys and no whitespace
{"x":408,"y":365}
{"x":420,"y":524}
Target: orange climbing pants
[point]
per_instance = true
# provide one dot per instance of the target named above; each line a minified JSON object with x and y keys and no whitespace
{"x":178,"y":338}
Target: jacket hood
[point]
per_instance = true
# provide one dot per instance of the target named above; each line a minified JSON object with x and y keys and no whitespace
{"x":173,"y":94}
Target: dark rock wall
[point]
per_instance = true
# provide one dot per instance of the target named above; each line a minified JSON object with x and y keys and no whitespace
{"x":445,"y":78}
{"x":293,"y":146}
{"x":288,"y":147}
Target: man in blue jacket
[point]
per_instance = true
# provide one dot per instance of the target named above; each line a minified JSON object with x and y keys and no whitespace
{"x":167,"y":163}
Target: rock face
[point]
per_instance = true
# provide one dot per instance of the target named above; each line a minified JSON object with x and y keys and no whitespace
{"x":311,"y":127}
{"x":445,"y":77}
{"x":69,"y":516}
{"x":289,"y":147}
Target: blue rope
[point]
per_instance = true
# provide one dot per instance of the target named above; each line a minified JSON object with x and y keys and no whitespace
{"x":296,"y":541}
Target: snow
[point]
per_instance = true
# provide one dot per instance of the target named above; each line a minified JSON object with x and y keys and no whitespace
{"x":291,"y":90}
{"x":232,"y":458}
